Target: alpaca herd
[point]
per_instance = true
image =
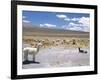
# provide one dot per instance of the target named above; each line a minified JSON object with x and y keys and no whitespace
{"x":33,"y":50}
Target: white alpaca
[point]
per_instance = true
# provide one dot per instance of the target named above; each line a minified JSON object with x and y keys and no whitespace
{"x":30,"y":50}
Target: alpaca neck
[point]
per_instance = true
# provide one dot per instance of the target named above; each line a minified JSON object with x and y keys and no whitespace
{"x":79,"y":49}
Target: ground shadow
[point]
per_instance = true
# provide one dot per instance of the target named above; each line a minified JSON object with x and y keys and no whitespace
{"x":29,"y":62}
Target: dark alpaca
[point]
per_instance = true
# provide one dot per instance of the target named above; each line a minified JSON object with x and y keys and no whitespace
{"x":82,"y":51}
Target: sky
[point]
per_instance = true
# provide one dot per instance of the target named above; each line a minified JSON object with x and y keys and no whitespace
{"x":59,"y":20}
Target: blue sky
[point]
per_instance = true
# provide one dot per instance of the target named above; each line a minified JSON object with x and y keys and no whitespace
{"x":68,"y":21}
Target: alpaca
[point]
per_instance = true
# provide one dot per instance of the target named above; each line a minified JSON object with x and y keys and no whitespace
{"x":82,"y":51}
{"x":33,"y":51}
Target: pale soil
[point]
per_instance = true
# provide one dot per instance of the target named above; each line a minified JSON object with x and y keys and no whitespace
{"x":59,"y":56}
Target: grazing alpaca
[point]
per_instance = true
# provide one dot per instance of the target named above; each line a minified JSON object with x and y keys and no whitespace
{"x":33,"y":51}
{"x":82,"y":51}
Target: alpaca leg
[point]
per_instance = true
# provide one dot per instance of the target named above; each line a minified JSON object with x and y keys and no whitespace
{"x":26,"y":55}
{"x":34,"y":57}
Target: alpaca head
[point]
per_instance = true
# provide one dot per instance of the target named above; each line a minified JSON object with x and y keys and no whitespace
{"x":38,"y":46}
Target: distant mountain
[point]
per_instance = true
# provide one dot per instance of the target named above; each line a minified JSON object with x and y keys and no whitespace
{"x":29,"y":29}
